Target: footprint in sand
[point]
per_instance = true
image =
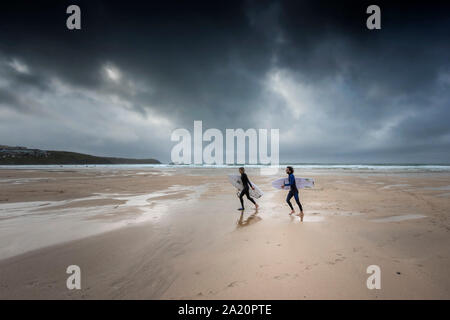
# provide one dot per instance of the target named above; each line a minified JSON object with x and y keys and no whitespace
{"x":33,"y":283}
{"x":281,"y":276}
{"x":336,"y":260}
{"x":234,"y":284}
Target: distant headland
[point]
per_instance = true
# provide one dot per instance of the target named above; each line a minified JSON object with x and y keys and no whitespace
{"x":23,"y":156}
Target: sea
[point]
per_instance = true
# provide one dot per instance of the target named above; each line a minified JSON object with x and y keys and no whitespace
{"x":304,"y":166}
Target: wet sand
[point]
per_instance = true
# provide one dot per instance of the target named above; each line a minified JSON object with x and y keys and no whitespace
{"x":176,"y":234}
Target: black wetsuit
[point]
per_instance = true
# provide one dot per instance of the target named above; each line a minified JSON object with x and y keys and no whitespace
{"x":246,"y":183}
{"x":293,"y":192}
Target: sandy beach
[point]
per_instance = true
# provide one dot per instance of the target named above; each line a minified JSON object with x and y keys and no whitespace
{"x":175,"y":233}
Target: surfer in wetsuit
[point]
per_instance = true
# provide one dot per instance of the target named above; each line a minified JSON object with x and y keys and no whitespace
{"x":246,"y":183}
{"x":293,"y":192}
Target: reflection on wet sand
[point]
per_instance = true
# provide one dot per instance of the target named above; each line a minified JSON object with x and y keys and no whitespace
{"x":251,"y":219}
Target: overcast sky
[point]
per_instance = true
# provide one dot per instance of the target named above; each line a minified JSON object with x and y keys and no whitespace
{"x":137,"y":70}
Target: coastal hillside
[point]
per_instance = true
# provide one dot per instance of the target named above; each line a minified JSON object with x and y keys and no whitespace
{"x":23,"y":156}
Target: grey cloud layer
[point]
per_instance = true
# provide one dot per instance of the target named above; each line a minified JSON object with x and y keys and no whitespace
{"x":337,"y":91}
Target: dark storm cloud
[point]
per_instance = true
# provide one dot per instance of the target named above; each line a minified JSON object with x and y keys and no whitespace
{"x":311,"y":68}
{"x":195,"y":56}
{"x":9,"y":99}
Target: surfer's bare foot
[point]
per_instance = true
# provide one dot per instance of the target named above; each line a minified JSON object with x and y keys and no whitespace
{"x":292,"y":212}
{"x":256,"y":206}
{"x":301,"y":215}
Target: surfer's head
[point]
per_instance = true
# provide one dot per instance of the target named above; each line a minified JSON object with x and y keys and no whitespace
{"x":289,"y":170}
{"x":241,"y":170}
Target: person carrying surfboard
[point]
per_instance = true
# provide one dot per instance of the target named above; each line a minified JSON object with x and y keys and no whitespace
{"x":293,"y":192}
{"x":246,"y":183}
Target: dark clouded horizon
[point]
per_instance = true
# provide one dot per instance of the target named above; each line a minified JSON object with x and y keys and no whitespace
{"x":137,"y":70}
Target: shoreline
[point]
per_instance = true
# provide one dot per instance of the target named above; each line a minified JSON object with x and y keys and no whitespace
{"x":311,"y":166}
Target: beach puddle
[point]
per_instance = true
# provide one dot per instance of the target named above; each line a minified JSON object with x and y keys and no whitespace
{"x":310,"y":218}
{"x":96,"y":202}
{"x":26,"y":226}
{"x":23,"y":180}
{"x":396,"y":186}
{"x":346,"y":213}
{"x":336,"y":213}
{"x":443,"y":195}
{"x":343,"y":182}
{"x":442,"y":188}
{"x":399,"y":218}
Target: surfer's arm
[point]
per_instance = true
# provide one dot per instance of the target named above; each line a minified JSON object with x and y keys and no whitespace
{"x":246,"y":181}
{"x":249,"y":183}
{"x":290,"y":181}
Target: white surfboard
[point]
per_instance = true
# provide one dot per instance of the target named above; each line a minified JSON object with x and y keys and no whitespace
{"x":236,"y":181}
{"x":300,"y":182}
